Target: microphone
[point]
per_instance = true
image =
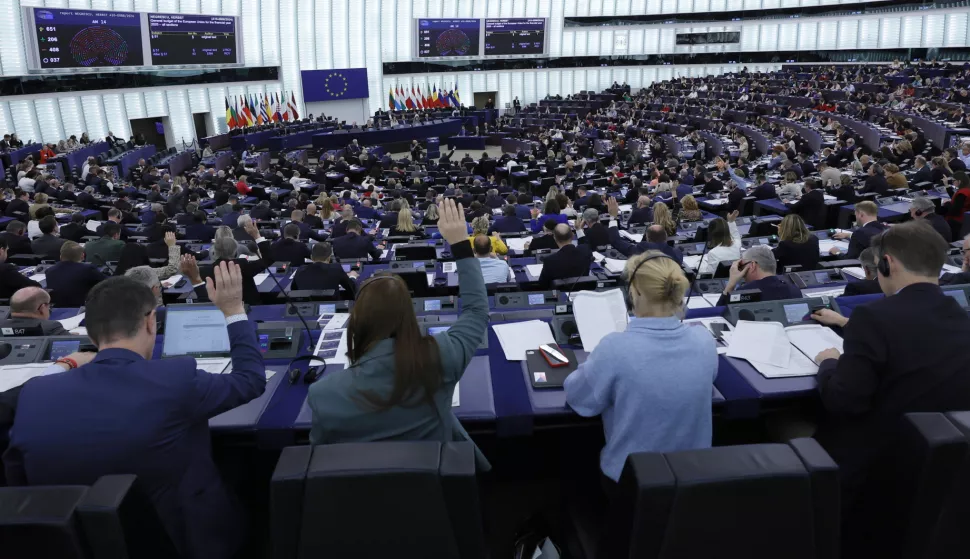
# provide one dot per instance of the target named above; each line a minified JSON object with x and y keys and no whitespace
{"x":745,"y":314}
{"x":697,"y":273}
{"x":105,"y":263}
{"x":296,"y":311}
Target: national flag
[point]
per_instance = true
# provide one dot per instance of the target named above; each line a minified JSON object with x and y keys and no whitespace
{"x":265,"y":110}
{"x":434,"y":96}
{"x":400,"y":99}
{"x":456,"y":97}
{"x":409,"y":100}
{"x":283,"y":108}
{"x":292,"y":107}
{"x":246,"y":111}
{"x":419,"y":99}
{"x":390,"y":99}
{"x":254,"y":106}
{"x":275,"y":106}
{"x":230,"y":121}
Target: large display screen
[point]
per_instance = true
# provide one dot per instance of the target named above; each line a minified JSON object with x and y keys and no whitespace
{"x":86,"y":39}
{"x":192,"y":39}
{"x":447,"y":38}
{"x":66,"y":39}
{"x":505,"y":37}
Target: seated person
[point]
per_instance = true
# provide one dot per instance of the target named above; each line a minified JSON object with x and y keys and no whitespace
{"x":508,"y":222}
{"x":169,"y":446}
{"x":550,"y":211}
{"x":399,"y":384}
{"x":494,"y":269}
{"x":405,"y":226}
{"x":354,"y":244}
{"x":796,"y":245}
{"x":658,"y":372}
{"x":887,"y":369}
{"x":296,"y":218}
{"x":590,"y":231}
{"x":16,"y":238}
{"x":480,"y":226}
{"x":545,"y":240}
{"x":224,"y":249}
{"x":923,"y":208}
{"x":654,"y":238}
{"x":723,"y":243}
{"x":289,"y":248}
{"x":71,"y":278}
{"x":198,"y":229}
{"x":570,"y":261}
{"x":76,"y":229}
{"x":49,"y":243}
{"x":10,"y":277}
{"x":30,"y":307}
{"x":757,"y":267}
{"x":870,"y":285}
{"x":107,"y":248}
{"x":867,"y":218}
{"x":322,"y":274}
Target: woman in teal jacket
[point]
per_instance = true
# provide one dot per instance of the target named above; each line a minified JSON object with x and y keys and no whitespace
{"x":399,"y":384}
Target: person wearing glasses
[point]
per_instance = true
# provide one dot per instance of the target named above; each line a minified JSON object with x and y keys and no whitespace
{"x":962,"y":276}
{"x":30,"y":308}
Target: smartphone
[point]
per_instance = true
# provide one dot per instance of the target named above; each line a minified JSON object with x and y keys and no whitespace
{"x":553,"y":355}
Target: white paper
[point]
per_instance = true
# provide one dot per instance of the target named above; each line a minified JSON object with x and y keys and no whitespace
{"x":172,"y":280}
{"x":430,"y":278}
{"x":712,"y":298}
{"x":697,"y":302}
{"x":693,"y":262}
{"x":456,"y":398}
{"x":764,"y":342}
{"x":449,"y":267}
{"x":518,"y":337}
{"x":38,"y":277}
{"x":716,"y":202}
{"x":831,"y":292}
{"x":93,"y":225}
{"x":950,"y":269}
{"x":535,"y":270}
{"x":384,"y":254}
{"x":798,"y":366}
{"x":330,"y":321}
{"x":825,"y":245}
{"x":72,"y":322}
{"x":599,"y":313}
{"x":614,"y":265}
{"x":812,"y":339}
{"x":707,"y":322}
{"x":630,"y":236}
{"x":855,"y":271}
{"x":258,"y":279}
{"x":12,"y":376}
{"x":598,"y":257}
{"x":340,"y":356}
{"x":517,"y":244}
{"x":214,"y":365}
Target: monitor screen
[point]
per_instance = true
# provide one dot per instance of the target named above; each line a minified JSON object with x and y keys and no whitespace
{"x":85,"y":39}
{"x":959,"y":295}
{"x":195,"y":330}
{"x":536,"y":299}
{"x":796,"y":312}
{"x":432,"y":305}
{"x":512,"y":36}
{"x":327,"y":309}
{"x":185,"y":39}
{"x":822,"y":277}
{"x":432,"y":330}
{"x":63,"y":348}
{"x":448,"y":37}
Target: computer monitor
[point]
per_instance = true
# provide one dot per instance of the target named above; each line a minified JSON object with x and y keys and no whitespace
{"x":415,"y":252}
{"x":417,"y":282}
{"x":195,"y":331}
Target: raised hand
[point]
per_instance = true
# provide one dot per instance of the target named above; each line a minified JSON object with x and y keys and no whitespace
{"x":613,"y":206}
{"x":170,"y":239}
{"x":452,"y":224}
{"x":225,"y":291}
{"x":190,"y":269}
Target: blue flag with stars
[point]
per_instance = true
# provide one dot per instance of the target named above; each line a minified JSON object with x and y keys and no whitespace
{"x":334,"y":85}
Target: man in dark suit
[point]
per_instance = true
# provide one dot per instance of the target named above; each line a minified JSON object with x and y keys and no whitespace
{"x":869,"y":285}
{"x":571,"y":261}
{"x":231,"y":219}
{"x":757,"y":267}
{"x":290,"y":248}
{"x":508,"y":222}
{"x":76,"y":229}
{"x":262,"y":211}
{"x":923,"y":208}
{"x":323,"y":275}
{"x":642,"y":214}
{"x":590,"y":231}
{"x":887,"y":371}
{"x":16,"y":238}
{"x":389,"y":219}
{"x":10,"y":278}
{"x":811,"y":206}
{"x":655,"y":238}
{"x":366,"y":210}
{"x":48,"y":244}
{"x":296,"y":218}
{"x":546,"y":240}
{"x":311,"y":218}
{"x":876,"y":182}
{"x":765,"y":190}
{"x":866,"y":215}
{"x":115,"y":216}
{"x":30,"y":309}
{"x":198,"y":230}
{"x":86,"y":199}
{"x":71,"y":278}
{"x":20,"y":203}
{"x":923,"y":172}
{"x":169,"y":446}
{"x":354,"y":244}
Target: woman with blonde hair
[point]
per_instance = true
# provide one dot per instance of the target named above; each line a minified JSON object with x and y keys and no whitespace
{"x":790,"y":185}
{"x":405,"y":225}
{"x":663,"y":218}
{"x":689,"y":210}
{"x":480,"y":227}
{"x":657,"y":372}
{"x":552,"y":194}
{"x":40,"y":201}
{"x":894,"y":178}
{"x":430,"y":215}
{"x":796,"y":245}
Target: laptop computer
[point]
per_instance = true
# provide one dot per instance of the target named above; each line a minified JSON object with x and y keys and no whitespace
{"x":197,"y":331}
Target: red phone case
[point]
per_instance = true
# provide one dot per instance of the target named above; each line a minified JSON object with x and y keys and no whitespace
{"x":553,"y":362}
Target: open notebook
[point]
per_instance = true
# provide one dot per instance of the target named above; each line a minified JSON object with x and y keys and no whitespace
{"x":776,"y":351}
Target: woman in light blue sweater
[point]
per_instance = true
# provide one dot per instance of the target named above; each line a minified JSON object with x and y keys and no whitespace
{"x":652,"y":383}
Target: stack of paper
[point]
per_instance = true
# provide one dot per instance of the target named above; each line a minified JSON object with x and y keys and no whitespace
{"x":775,"y":351}
{"x":518,"y":337}
{"x":630,"y":236}
{"x":825,"y":245}
{"x":12,"y":376}
{"x":599,"y":313}
{"x":332,"y":346}
{"x":613,"y":265}
{"x":172,"y":280}
{"x":716,"y":201}
{"x":693,"y":262}
{"x":214,"y":365}
{"x":38,"y":277}
{"x":258,"y":279}
{"x":950,"y":269}
{"x":430,"y":279}
{"x":72,"y":322}
{"x":449,"y":267}
{"x":535,"y":270}
{"x":517,"y":244}
{"x":93,"y":225}
{"x":855,"y":271}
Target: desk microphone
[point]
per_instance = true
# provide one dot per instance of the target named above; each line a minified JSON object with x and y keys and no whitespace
{"x":745,"y":314}
{"x":291,"y":306}
{"x":697,"y":273}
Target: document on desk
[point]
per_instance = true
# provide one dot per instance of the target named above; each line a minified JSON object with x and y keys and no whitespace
{"x":172,"y":280}
{"x":950,"y":269}
{"x":93,"y":225}
{"x":456,"y":397}
{"x":855,"y":271}
{"x":214,"y":365}
{"x":825,"y":245}
{"x":72,"y":322}
{"x":693,"y":262}
{"x":762,"y":342}
{"x":258,"y":279}
{"x":697,"y":302}
{"x":812,"y":339}
{"x":449,"y":267}
{"x":716,"y":201}
{"x":518,"y":337}
{"x":12,"y":376}
{"x":430,"y":279}
{"x":38,"y":277}
{"x":332,"y":347}
{"x":535,"y":270}
{"x":517,"y":244}
{"x":613,"y":265}
{"x":599,"y":313}
{"x":630,"y":236}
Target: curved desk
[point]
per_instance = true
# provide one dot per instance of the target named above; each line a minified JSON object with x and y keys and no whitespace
{"x":404,"y":133}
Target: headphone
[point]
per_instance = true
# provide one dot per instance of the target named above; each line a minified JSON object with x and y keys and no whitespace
{"x":633,"y":274}
{"x":312,"y":373}
{"x":919,"y":213}
{"x":883,"y":266}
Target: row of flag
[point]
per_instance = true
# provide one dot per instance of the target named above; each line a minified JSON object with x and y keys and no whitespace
{"x":255,"y":109}
{"x":400,"y":99}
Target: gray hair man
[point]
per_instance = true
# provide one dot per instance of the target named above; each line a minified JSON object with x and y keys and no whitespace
{"x":146,"y":276}
{"x":757,"y":268}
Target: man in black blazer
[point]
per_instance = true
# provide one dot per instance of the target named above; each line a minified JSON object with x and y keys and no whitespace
{"x":30,"y":307}
{"x":198,"y":230}
{"x":508,"y":222}
{"x":869,"y":285}
{"x":76,"y":229}
{"x":642,"y":214}
{"x":866,"y":215}
{"x":923,"y":208}
{"x":811,"y":206}
{"x":757,"y":267}
{"x":590,"y":231}
{"x":923,"y":172}
{"x":354,"y":244}
{"x":546,"y":240}
{"x":655,"y":238}
{"x":10,"y":278}
{"x":887,"y":370}
{"x":48,"y":244}
{"x":323,"y":274}
{"x":290,"y":248}
{"x":16,"y":238}
{"x":71,"y":278}
{"x":571,"y":261}
{"x":20,"y":203}
{"x":296,"y":218}
{"x":262,"y":211}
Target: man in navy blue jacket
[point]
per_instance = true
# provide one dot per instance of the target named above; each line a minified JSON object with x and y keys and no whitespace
{"x":765,"y":190}
{"x":757,"y":268}
{"x":655,"y":238}
{"x":508,"y":222}
{"x":125,"y":413}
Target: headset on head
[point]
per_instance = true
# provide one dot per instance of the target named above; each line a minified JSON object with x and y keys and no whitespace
{"x":883,"y":266}
{"x":633,"y":275}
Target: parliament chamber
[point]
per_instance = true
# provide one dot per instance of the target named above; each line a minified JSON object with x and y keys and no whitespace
{"x":493,"y":278}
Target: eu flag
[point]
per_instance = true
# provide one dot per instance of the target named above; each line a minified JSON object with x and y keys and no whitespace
{"x":333,"y":85}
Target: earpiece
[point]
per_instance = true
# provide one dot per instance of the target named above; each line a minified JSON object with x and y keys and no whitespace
{"x":883,"y":266}
{"x":919,"y":213}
